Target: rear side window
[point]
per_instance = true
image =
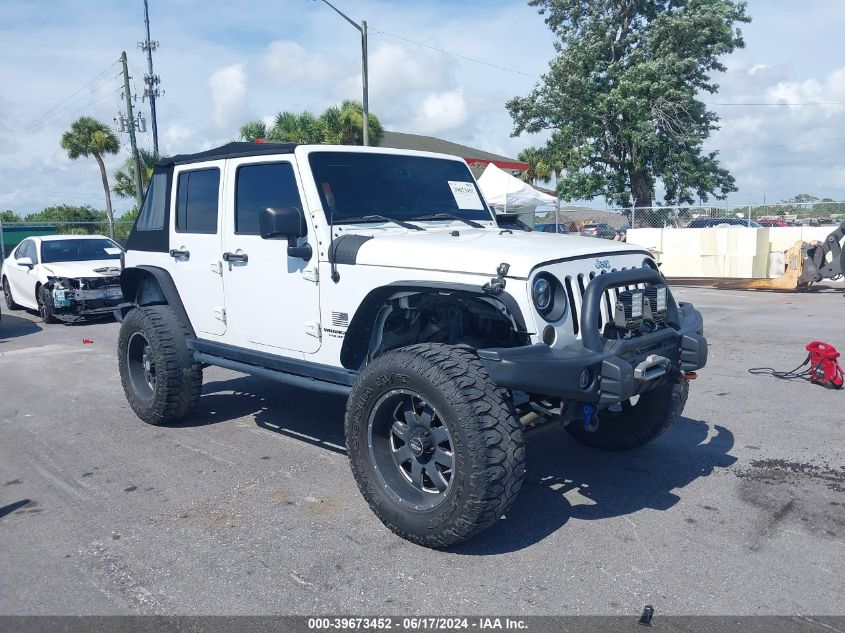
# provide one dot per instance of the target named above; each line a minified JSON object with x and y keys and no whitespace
{"x":197,"y":195}
{"x":258,"y":187}
{"x":153,"y":212}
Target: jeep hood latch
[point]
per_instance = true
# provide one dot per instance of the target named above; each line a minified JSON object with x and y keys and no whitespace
{"x":497,"y":284}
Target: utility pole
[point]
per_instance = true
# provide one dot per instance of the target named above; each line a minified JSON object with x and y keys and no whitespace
{"x":363,"y":29}
{"x":364,"y":81}
{"x":151,"y":80}
{"x":139,"y":187}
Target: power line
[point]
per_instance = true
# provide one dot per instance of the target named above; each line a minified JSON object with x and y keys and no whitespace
{"x":806,"y":103}
{"x":827,"y":140}
{"x":445,"y":52}
{"x":74,"y":106}
{"x":72,"y":95}
{"x":51,"y":194}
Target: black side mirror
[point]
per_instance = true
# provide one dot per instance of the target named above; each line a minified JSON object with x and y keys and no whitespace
{"x":289,"y":222}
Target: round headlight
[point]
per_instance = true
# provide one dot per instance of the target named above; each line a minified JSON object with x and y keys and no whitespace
{"x":541,"y":292}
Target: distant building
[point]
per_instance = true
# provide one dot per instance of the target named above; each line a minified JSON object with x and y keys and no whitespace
{"x":476,"y":158}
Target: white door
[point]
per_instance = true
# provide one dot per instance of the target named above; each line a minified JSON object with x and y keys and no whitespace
{"x":195,"y":245}
{"x":272,"y":299}
{"x":22,"y":279}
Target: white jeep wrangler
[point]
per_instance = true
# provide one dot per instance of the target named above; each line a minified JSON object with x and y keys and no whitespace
{"x":382,"y":275}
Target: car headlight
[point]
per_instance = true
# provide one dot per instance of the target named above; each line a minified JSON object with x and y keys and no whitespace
{"x":541,"y":292}
{"x":548,"y":297}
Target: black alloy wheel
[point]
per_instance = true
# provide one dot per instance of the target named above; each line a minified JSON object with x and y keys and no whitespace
{"x":411,"y":449}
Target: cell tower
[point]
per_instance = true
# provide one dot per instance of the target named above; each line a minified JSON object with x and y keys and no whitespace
{"x":151,"y":80}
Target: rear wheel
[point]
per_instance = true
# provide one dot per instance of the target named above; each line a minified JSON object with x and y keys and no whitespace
{"x":7,"y":295}
{"x":635,"y":423}
{"x":160,"y":378}
{"x":434,"y":445}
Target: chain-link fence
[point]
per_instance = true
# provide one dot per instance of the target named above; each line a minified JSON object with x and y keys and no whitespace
{"x":613,"y":223}
{"x":13,"y":233}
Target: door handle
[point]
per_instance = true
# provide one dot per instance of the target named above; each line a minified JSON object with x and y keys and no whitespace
{"x":177,"y":254}
{"x":236,"y":257}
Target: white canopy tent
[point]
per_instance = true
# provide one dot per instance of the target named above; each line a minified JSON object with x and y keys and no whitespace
{"x":508,"y":194}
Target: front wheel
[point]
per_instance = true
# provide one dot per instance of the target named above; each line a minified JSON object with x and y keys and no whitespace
{"x":632,"y":424}
{"x":45,"y":305}
{"x":435,"y":446}
{"x":160,"y":378}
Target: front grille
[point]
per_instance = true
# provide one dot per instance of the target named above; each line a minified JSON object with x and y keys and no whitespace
{"x":575,"y":286}
{"x":97,"y":283}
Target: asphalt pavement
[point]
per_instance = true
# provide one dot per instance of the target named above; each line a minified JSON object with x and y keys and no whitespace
{"x":249,"y":507}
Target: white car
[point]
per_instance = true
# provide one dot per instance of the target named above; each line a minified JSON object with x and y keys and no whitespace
{"x":64,"y":277}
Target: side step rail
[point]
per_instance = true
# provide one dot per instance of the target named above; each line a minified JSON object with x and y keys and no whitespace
{"x":273,"y":374}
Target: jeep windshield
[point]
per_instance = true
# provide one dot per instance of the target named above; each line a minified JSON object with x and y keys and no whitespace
{"x":354,"y":185}
{"x":78,"y":250}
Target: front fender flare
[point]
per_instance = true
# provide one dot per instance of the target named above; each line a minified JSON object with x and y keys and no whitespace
{"x":356,"y":342}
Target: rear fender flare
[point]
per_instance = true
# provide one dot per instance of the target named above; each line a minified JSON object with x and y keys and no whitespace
{"x":151,"y":285}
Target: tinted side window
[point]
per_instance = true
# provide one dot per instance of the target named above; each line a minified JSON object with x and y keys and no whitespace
{"x":20,"y":251}
{"x":31,"y":252}
{"x":197,"y":195}
{"x":152,"y":213}
{"x":258,"y":187}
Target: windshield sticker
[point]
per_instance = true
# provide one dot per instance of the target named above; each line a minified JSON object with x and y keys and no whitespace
{"x":465,"y":194}
{"x":112,"y":251}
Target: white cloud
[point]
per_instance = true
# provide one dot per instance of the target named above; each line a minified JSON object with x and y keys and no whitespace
{"x":228,"y":95}
{"x":287,"y":63}
{"x":831,"y":89}
{"x":441,"y":111}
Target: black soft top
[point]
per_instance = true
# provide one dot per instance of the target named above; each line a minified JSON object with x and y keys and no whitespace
{"x":229,"y":150}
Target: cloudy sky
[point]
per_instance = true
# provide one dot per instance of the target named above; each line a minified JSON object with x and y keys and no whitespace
{"x":223,"y":62}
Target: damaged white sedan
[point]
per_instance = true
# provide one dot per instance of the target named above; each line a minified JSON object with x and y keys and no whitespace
{"x":65,"y":277}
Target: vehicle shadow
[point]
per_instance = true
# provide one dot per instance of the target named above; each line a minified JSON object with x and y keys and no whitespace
{"x":312,"y":417}
{"x":13,"y":326}
{"x":564,"y":479}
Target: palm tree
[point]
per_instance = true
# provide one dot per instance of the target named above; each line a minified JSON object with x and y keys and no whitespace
{"x":251,"y":131}
{"x":342,"y":125}
{"x":89,"y":137}
{"x":539,"y":167}
{"x":296,"y":128}
{"x":124,"y":176}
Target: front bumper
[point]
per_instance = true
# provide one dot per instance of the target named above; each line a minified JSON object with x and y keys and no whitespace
{"x":77,"y":303}
{"x":616,"y":370}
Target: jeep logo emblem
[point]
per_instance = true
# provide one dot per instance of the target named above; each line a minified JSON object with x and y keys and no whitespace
{"x":603,"y":264}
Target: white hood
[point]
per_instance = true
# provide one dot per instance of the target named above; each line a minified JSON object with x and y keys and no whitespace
{"x":478,"y":250}
{"x":108,"y":268}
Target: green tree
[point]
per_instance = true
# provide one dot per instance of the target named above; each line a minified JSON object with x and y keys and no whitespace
{"x":124,"y":176}
{"x":342,"y":125}
{"x":123,"y":225}
{"x":621,"y":97}
{"x":89,"y":137}
{"x":10,"y":216}
{"x":72,"y":219}
{"x":251,"y":131}
{"x":540,"y":166}
{"x":345,"y":125}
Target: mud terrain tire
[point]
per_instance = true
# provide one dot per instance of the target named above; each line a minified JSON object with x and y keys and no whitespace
{"x":473,"y":428}
{"x":160,"y":378}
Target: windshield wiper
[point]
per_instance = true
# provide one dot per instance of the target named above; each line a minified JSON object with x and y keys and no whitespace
{"x":449,"y":216}
{"x":378,"y":218}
